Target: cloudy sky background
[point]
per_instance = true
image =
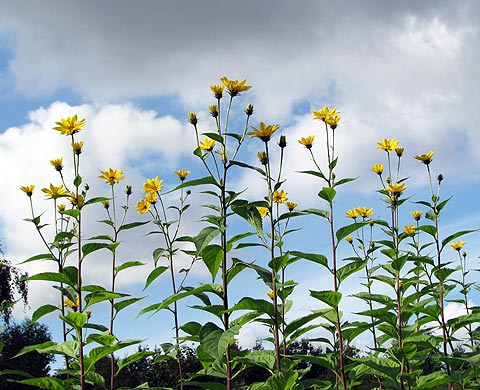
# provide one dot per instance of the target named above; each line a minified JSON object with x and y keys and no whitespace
{"x":406,"y":70}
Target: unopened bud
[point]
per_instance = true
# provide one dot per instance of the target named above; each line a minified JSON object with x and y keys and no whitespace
{"x":282,"y":142}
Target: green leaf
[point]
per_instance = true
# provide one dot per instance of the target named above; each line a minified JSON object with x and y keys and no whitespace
{"x":75,"y":319}
{"x":215,"y":136}
{"x":260,"y":305}
{"x":48,"y":383}
{"x":128,"y":264}
{"x":43,"y":256}
{"x":279,"y":262}
{"x":316,"y":258}
{"x":77,"y":181}
{"x":331,"y":298}
{"x":429,"y":229}
{"x":122,"y":363}
{"x":349,"y":269}
{"x":243,"y":165}
{"x":154,"y":275}
{"x":212,"y":256}
{"x":120,"y":305}
{"x":345,"y":231}
{"x":314,"y":173}
{"x":53,"y":277}
{"x":196,"y":182}
{"x":42,"y":311}
{"x":93,"y":246}
{"x":215,"y":341}
{"x":344,"y":181}
{"x":131,"y":225}
{"x":96,"y":200}
{"x":321,"y":213}
{"x":328,"y":194}
{"x":456,"y":235}
{"x":203,"y":238}
{"x":72,"y":213}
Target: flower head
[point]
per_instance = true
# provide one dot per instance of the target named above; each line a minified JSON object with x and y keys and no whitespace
{"x":28,"y":189}
{"x":353,"y":213}
{"x":264,"y":132}
{"x":333,"y":120}
{"x":378,"y":169}
{"x":207,"y":144}
{"x":61,"y":207}
{"x":55,"y":192}
{"x":263,"y":211}
{"x":143,"y":206}
{"x":416,"y":215}
{"x":280,"y":196}
{"x":325,"y":113}
{"x":57,"y":164}
{"x":364,"y":212}
{"x":426,"y":158}
{"x":182,"y":174}
{"x":249,"y":109}
{"x":213,"y":110}
{"x":271,"y":295}
{"x":77,"y":200}
{"x":410,"y":230}
{"x":71,"y":304}
{"x":70,"y":125}
{"x":234,"y":87}
{"x":77,"y":147}
{"x":152,"y":185}
{"x":291,"y":205}
{"x":112,"y":176}
{"x":217,"y":90}
{"x":349,"y":239}
{"x":151,"y":197}
{"x":106,"y":204}
{"x":397,"y":188}
{"x":307,"y":141}
{"x":388,"y":145}
{"x":192,"y":116}
{"x":263,"y":157}
{"x":458,"y":245}
{"x":399,"y":150}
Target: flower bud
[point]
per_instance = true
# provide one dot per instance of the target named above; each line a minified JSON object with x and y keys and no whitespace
{"x":128,"y":190}
{"x":193,"y":118}
{"x":283,"y":141}
{"x":249,"y":109}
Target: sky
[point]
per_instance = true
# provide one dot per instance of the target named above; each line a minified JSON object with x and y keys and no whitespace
{"x":405,"y":70}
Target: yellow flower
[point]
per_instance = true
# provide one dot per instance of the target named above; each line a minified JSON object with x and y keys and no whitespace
{"x":182,"y":174}
{"x":217,"y":90}
{"x":364,"y":212}
{"x":426,"y":158}
{"x":410,"y":230}
{"x":263,"y":211}
{"x":112,"y":176}
{"x":143,"y":206}
{"x":207,"y":144}
{"x":325,"y":113}
{"x":280,"y":196}
{"x":88,"y":313}
{"x":213,"y":110}
{"x":71,"y":304}
{"x":307,"y":141}
{"x":70,"y":125}
{"x":106,"y":204}
{"x":397,"y":188}
{"x":349,"y":239}
{"x":353,"y":213}
{"x":291,"y":205}
{"x":55,"y":192}
{"x":77,"y":201}
{"x":152,"y":185}
{"x":61,"y":207}
{"x":271,"y":295}
{"x":417,"y":215}
{"x":388,"y":145}
{"x":264,"y":133}
{"x":399,"y":150}
{"x":234,"y":87}
{"x":378,"y":169}
{"x":193,"y":118}
{"x":263,"y":157}
{"x":458,"y":245}
{"x":28,"y":189}
{"x":57,"y":163}
{"x":151,"y":197}
{"x":333,"y":120}
{"x":77,"y":147}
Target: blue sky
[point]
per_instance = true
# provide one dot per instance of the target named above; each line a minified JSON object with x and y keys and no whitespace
{"x":406,"y":70}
